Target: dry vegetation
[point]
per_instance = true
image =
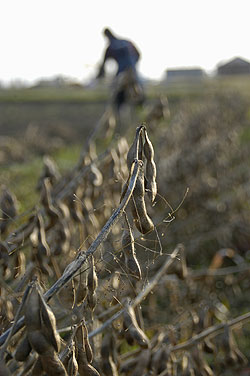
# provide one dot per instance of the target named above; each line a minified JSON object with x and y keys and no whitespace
{"x":135,"y":262}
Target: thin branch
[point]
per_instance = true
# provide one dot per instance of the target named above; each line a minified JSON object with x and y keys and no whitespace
{"x":211,"y":332}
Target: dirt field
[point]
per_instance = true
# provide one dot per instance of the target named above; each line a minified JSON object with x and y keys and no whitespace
{"x":69,"y":120}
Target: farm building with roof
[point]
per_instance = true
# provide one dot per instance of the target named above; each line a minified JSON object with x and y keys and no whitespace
{"x":184,"y":74}
{"x":234,"y":66}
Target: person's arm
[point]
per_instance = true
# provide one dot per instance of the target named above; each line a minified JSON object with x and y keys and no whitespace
{"x":101,"y":71}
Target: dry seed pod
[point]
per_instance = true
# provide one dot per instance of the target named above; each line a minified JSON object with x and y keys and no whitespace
{"x":88,"y":155}
{"x":46,"y":199}
{"x":50,"y":170}
{"x":83,"y":342}
{"x":39,"y":252}
{"x":227,"y":346}
{"x":139,"y":336}
{"x":171,"y":363}
{"x":49,"y":325}
{"x":200,"y":361}
{"x":133,"y":267}
{"x":151,"y":185}
{"x":115,"y":162}
{"x":131,"y":326}
{"x":79,"y":337}
{"x":150,"y":168}
{"x":52,"y":365}
{"x":122,"y":147}
{"x":92,"y":300}
{"x":135,"y":150}
{"x":72,"y":368}
{"x":40,"y":323}
{"x":92,"y":283}
{"x":42,"y":246}
{"x":241,"y":358}
{"x":95,"y":176}
{"x":23,"y":350}
{"x":148,"y":147}
{"x":72,"y":365}
{"x":232,"y":353}
{"x":138,"y":207}
{"x":88,"y":349}
{"x":84,"y":368}
{"x":109,"y":126}
{"x":187,"y":365}
{"x":20,"y":263}
{"x":42,"y":317}
{"x":75,"y":209}
{"x":131,"y":262}
{"x":82,"y":289}
{"x":39,"y":343}
{"x":61,"y":238}
{"x":208,"y":346}
{"x":67,"y":295}
{"x":32,"y":310}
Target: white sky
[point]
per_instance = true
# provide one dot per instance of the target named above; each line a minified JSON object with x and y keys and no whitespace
{"x":43,"y":38}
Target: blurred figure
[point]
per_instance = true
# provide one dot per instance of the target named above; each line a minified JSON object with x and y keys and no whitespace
{"x":126,"y":86}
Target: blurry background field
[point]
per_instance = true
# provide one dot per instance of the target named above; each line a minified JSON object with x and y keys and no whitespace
{"x":56,"y":121}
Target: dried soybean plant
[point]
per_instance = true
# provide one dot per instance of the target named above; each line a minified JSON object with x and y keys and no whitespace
{"x":42,"y":335}
{"x":40,"y":233}
{"x":38,"y":238}
{"x":137,"y":207}
{"x":99,"y":315}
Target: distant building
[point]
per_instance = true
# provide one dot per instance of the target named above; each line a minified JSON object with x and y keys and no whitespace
{"x":234,"y":66}
{"x":185,"y":75}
